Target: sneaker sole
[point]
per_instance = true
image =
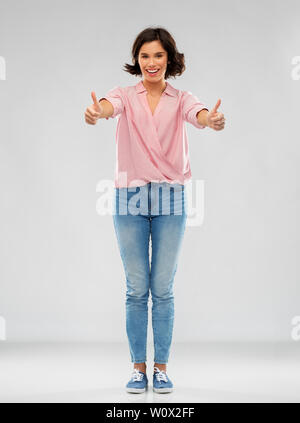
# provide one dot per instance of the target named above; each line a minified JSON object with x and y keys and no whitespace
{"x":162,"y":390}
{"x":135,"y":390}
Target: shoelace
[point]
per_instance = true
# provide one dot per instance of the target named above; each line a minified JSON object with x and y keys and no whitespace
{"x":160,"y":374}
{"x":136,"y":375}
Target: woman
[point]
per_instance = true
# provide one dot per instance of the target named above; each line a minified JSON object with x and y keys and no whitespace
{"x":152,"y":169}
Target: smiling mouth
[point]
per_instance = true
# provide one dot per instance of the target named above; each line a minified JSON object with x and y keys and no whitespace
{"x":152,"y":73}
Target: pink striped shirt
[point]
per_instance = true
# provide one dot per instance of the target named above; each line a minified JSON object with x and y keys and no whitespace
{"x":152,"y":148}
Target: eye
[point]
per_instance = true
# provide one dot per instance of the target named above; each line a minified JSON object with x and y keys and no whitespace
{"x":158,"y":55}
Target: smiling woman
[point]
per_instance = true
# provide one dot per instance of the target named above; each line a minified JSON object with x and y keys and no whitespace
{"x":162,"y":53}
{"x":153,"y":64}
{"x":152,"y":156}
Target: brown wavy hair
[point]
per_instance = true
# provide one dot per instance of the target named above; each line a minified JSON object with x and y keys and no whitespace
{"x":176,"y":59}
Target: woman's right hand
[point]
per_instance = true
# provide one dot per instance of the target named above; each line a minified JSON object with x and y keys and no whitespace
{"x":93,"y":113}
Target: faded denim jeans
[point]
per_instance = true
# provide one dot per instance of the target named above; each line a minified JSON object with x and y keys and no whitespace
{"x":157,"y":210}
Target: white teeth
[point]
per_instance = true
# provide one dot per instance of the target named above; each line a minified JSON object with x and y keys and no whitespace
{"x":153,"y":71}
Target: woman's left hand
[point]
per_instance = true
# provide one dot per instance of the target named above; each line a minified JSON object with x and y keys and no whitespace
{"x":215,"y":119}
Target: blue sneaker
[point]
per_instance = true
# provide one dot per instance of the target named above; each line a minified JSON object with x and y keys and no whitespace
{"x":161,"y":382}
{"x":138,"y":382}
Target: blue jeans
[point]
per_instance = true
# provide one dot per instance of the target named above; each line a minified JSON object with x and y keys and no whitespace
{"x":159,"y":210}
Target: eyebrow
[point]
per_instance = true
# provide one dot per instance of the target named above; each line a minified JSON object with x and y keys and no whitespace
{"x":155,"y":53}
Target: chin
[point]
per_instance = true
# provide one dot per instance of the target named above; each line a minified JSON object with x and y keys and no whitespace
{"x":150,"y":78}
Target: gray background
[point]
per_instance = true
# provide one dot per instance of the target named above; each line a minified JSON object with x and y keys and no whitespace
{"x":61,"y":275}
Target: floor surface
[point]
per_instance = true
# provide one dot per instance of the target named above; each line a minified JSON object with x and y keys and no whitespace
{"x":203,"y":372}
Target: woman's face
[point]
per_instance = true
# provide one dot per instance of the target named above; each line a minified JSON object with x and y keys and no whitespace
{"x":153,"y":56}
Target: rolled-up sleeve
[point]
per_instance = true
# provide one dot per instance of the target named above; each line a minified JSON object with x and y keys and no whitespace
{"x":191,"y":105}
{"x":114,"y":96}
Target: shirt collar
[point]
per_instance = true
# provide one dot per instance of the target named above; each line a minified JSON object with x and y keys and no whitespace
{"x":168,"y":90}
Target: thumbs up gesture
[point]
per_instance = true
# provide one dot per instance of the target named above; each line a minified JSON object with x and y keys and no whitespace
{"x":215,"y":119}
{"x":93,"y":113}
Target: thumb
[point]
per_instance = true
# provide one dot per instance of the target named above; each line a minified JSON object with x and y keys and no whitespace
{"x":96,"y":103}
{"x":214,"y":110}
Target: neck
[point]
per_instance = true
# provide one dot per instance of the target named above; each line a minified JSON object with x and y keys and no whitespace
{"x":155,"y":88}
